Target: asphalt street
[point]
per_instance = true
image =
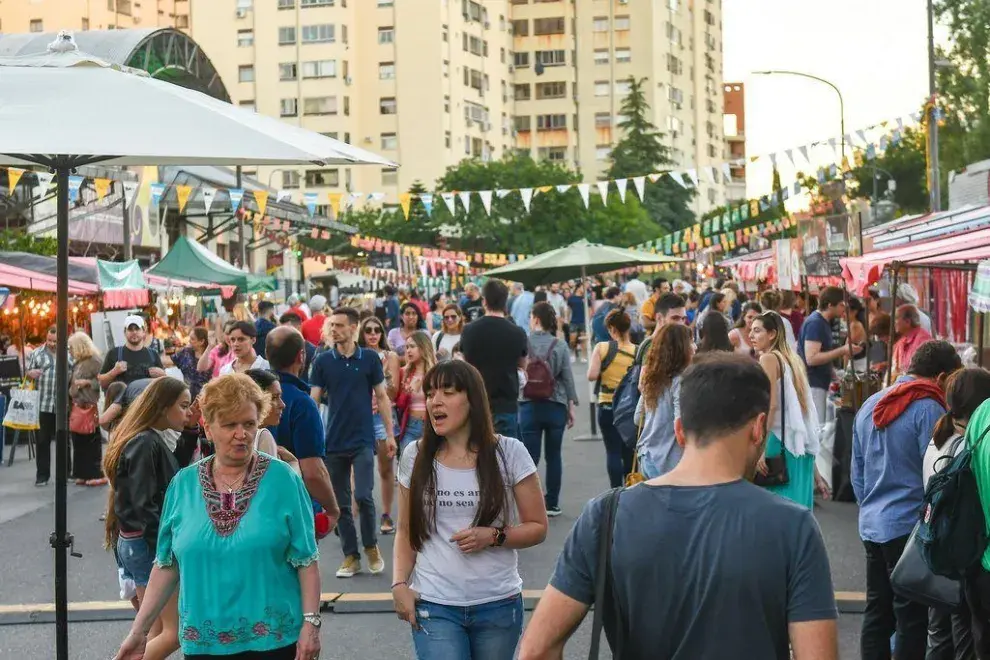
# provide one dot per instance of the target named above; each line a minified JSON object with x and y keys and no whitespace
{"x":361,"y":622}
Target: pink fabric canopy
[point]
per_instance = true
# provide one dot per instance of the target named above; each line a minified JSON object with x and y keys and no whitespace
{"x":21,"y":278}
{"x":860,"y":272}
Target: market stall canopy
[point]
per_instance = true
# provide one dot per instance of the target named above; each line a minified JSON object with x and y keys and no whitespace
{"x":754,"y":267}
{"x":966,"y":247}
{"x":979,"y":295}
{"x":579,"y":259}
{"x":34,"y":272}
{"x":188,"y":261}
{"x":122,"y":284}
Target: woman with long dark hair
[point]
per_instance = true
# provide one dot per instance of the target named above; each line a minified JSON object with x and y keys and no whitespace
{"x":411,"y":321}
{"x":468,"y":499}
{"x":609,"y":363}
{"x":714,"y":333}
{"x":660,"y":384}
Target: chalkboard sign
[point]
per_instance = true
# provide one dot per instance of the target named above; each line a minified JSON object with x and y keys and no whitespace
{"x":381,"y":260}
{"x":10,"y":371}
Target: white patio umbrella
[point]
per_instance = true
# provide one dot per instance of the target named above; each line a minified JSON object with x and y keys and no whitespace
{"x":66,"y":109}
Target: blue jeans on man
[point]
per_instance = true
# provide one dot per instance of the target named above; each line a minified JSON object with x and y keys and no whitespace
{"x":506,"y":424}
{"x":545,"y":421}
{"x":489,"y":631}
{"x":340,"y":465}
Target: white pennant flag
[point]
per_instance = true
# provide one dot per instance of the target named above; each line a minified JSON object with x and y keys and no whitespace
{"x":563,"y":188}
{"x":710,"y":173}
{"x":916,"y":117}
{"x":900,"y":123}
{"x":448,"y":199}
{"x":208,"y":195}
{"x":527,"y":197}
{"x":678,"y":177}
{"x":773,"y":160}
{"x":693,"y":175}
{"x":790,"y":155}
{"x":376,"y":197}
{"x":502,"y":193}
{"x":727,"y":172}
{"x":354,"y":197}
{"x":130,"y":189}
{"x":862,"y":136}
{"x":804,"y":153}
{"x":832,"y":143}
{"x":603,"y":191}
{"x":848,"y":139}
{"x":486,"y":199}
{"x":621,"y":185}
{"x":584,"y":189}
{"x":639,"y":182}
{"x":44,"y":180}
{"x":283,"y":194}
{"x":655,"y":176}
{"x":465,"y":200}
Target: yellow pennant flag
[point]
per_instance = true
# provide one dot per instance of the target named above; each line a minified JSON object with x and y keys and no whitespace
{"x":261,"y":199}
{"x":545,"y":189}
{"x":335,"y":202}
{"x":14,"y":174}
{"x":405,"y":199}
{"x":754,"y":208}
{"x":182,"y":193}
{"x":102,"y":187}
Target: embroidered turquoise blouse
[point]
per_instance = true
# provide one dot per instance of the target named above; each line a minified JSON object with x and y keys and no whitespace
{"x":238,"y":579}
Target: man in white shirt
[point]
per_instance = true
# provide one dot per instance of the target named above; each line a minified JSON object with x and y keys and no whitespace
{"x":637,"y":287}
{"x":241,"y":338}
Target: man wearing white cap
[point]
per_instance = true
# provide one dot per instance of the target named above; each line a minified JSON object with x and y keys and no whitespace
{"x":908,"y":295}
{"x":133,"y":360}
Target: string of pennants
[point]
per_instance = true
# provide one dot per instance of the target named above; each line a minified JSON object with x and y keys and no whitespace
{"x":372,"y":244}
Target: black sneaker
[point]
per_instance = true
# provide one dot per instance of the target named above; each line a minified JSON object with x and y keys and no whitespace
{"x":553,"y":511}
{"x":41,"y":483}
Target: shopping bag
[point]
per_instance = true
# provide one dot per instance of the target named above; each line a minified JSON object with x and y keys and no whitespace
{"x":22,"y":413}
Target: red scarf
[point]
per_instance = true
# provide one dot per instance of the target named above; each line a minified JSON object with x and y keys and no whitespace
{"x":898,"y":398}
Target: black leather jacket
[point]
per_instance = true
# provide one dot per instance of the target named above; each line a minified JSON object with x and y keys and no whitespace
{"x":145,"y":469}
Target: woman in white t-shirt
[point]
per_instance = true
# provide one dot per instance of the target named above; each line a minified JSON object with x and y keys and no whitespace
{"x":468,"y":499}
{"x":449,"y":334}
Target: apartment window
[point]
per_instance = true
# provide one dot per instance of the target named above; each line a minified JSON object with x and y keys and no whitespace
{"x":389,"y":142}
{"x":674,"y":64}
{"x":473,"y":78}
{"x":711,"y":151}
{"x":319,"y":69}
{"x":711,"y":195}
{"x":287,"y":71}
{"x":245,"y":73}
{"x":472,"y":10}
{"x":85,"y":23}
{"x":290,"y":179}
{"x":316,"y":178}
{"x":477,"y":147}
{"x":675,"y":125}
{"x":543,"y":26}
{"x":622,"y":87}
{"x":522,"y":123}
{"x":621,"y":23}
{"x":603,"y":120}
{"x":709,"y":18}
{"x":320,"y":105}
{"x":673,"y":34}
{"x":623,"y":56}
{"x":599,"y":24}
{"x":553,"y":154}
{"x":521,"y":60}
{"x":675,"y":95}
{"x":673,"y":5}
{"x":502,"y":55}
{"x":601,"y":88}
{"x":312,"y":34}
{"x":551,"y":57}
{"x":521,"y":92}
{"x":247,"y":104}
{"x":243,"y":5}
{"x":288,"y":107}
{"x":710,"y":106}
{"x":286,"y":35}
{"x":601,"y":56}
{"x":386,"y":105}
{"x":603,"y":152}
{"x":551,"y":122}
{"x":551,"y":90}
{"x":386,"y":70}
{"x":445,"y":68}
{"x":520,"y":28}
{"x":315,"y":3}
{"x":475,"y":45}
{"x":446,"y":139}
{"x":390,"y":175}
{"x":286,"y":4}
{"x":446,"y":103}
{"x":245,"y":38}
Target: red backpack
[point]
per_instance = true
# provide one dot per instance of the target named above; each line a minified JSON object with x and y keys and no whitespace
{"x":540,"y":382}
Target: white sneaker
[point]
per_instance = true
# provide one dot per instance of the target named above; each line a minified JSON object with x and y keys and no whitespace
{"x":350,"y":567}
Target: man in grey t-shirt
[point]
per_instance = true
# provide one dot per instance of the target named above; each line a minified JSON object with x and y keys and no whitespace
{"x":704,"y":563}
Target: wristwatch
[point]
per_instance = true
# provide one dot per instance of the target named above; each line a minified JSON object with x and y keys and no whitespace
{"x":498,"y":537}
{"x":313,"y":618}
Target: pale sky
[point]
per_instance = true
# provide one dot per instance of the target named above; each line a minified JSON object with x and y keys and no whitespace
{"x":875,"y":51}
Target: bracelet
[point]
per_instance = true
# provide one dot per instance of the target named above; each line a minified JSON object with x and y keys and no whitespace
{"x":396,"y":584}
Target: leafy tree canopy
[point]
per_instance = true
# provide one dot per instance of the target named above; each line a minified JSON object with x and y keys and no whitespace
{"x":905,"y":162}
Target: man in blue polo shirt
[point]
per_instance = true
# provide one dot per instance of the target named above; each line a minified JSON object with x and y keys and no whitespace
{"x":349,"y":376}
{"x":300,"y":430}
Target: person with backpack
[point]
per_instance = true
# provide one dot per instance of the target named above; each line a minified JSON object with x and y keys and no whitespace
{"x":609,"y":363}
{"x":890,"y":435}
{"x":599,"y":331}
{"x":546,"y":405}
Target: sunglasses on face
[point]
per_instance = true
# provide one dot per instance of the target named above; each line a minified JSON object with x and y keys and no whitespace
{"x":450,"y":317}
{"x":372,"y":330}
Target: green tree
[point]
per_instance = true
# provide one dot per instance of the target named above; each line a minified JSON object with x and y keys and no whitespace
{"x":18,"y":240}
{"x":641,"y":151}
{"x":905,"y":162}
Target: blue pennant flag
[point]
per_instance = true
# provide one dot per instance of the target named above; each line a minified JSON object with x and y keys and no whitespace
{"x":236,"y":195}
{"x":75,"y":182}
{"x":797,"y":187}
{"x":309,"y":199}
{"x":427,"y":200}
{"x":157,"y":190}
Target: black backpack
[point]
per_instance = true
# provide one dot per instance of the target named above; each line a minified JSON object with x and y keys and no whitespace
{"x":952,"y":532}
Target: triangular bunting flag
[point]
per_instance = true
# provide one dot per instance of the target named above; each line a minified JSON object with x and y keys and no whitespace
{"x":832,"y":142}
{"x":283,"y":194}
{"x":656,"y":176}
{"x":448,"y":199}
{"x":465,"y":198}
{"x":564,"y":188}
{"x":427,"y":199}
{"x":261,"y":199}
{"x":75,"y":182}
{"x":773,"y":160}
{"x":527,"y":197}
{"x":309,"y":200}
{"x":182,"y":194}
{"x":804,"y":154}
{"x":486,"y":200}
{"x":14,"y":175}
{"x":157,"y":190}
{"x":236,"y":195}
{"x":102,"y":187}
{"x":678,"y":177}
{"x":130,"y":189}
{"x":621,"y":185}
{"x":502,"y":193}
{"x":797,"y":187}
{"x":862,"y":136}
{"x":790,"y":155}
{"x":584,"y":189}
{"x":334,"y":200}
{"x":44,"y":180}
{"x":543,"y":189}
{"x":639,"y":183}
{"x":693,"y":175}
{"x":603,"y":191}
{"x":208,"y":195}
{"x":405,"y":200}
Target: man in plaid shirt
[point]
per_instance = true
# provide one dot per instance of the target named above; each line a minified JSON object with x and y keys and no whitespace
{"x":41,"y":369}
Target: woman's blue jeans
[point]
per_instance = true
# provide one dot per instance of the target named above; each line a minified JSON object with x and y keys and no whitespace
{"x":477,"y":632}
{"x":618,"y":457}
{"x":544,"y":422}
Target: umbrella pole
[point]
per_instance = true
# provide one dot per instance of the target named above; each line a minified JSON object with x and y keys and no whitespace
{"x":61,"y":540}
{"x":589,"y":348}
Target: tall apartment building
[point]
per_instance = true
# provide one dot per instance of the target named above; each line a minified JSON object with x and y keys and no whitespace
{"x":735,"y":139}
{"x":54,"y":15}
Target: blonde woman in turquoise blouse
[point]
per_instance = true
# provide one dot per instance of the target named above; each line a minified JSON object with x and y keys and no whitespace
{"x":237,"y":540}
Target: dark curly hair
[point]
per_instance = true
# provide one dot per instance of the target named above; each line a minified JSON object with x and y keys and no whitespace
{"x":669,"y":356}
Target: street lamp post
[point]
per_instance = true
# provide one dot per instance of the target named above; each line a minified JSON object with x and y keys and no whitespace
{"x":842,"y":106}
{"x":936,"y":176}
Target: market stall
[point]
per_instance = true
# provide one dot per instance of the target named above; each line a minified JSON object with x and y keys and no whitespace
{"x":190,"y":263}
{"x":753,"y":268}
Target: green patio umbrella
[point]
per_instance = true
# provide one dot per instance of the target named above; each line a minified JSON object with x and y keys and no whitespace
{"x":577,"y":260}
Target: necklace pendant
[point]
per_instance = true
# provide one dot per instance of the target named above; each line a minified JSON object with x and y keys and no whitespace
{"x":227,"y":501}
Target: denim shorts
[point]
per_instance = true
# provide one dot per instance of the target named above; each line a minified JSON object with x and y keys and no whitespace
{"x":484,"y":632}
{"x":412,"y":432}
{"x":135,"y":557}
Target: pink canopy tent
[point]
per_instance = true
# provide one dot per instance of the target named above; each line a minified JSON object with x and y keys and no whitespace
{"x":754,"y":267}
{"x":22,"y":278}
